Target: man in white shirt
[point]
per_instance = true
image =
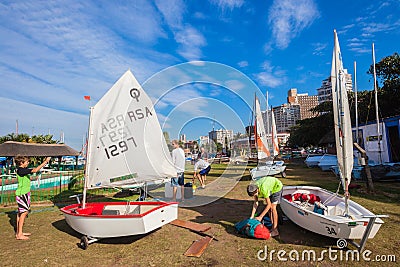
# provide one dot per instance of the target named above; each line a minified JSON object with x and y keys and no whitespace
{"x":204,"y":168}
{"x":178,"y":159}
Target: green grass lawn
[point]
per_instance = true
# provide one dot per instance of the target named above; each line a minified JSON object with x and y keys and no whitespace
{"x":54,"y":243}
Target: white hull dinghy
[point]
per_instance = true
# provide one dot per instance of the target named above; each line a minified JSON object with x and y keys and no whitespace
{"x":126,"y":149}
{"x":270,"y":166}
{"x":115,"y":219}
{"x":329,"y":219}
{"x":324,"y":212}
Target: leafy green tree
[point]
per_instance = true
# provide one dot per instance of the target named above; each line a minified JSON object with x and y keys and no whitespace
{"x":219,"y":147}
{"x":310,"y":131}
{"x":388,"y":74}
{"x":15,"y":137}
{"x":43,"y":139}
{"x":25,"y":138}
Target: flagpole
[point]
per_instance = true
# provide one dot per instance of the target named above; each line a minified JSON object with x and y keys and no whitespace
{"x":86,"y":173}
{"x":376,"y":105}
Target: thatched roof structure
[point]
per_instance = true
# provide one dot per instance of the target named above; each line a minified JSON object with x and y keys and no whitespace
{"x":12,"y":149}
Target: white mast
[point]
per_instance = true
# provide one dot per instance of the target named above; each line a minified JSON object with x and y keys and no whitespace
{"x":356,"y":101}
{"x":356,"y":110}
{"x":376,"y":106}
{"x":341,"y":112}
{"x":267,"y":115}
{"x":90,"y":135}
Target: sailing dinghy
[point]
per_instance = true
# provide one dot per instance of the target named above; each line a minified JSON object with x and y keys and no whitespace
{"x":266,"y":163}
{"x":322,"y":211}
{"x":126,"y":148}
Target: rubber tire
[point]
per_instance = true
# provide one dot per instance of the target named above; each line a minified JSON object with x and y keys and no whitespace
{"x":84,"y":242}
{"x":283,"y":174}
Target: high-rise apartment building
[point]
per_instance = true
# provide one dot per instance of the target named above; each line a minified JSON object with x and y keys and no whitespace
{"x":286,"y":116}
{"x":325,"y":91}
{"x":305,"y":102}
{"x":221,"y":136}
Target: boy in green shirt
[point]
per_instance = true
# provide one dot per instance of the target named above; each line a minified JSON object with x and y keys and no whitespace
{"x":269,"y":188}
{"x":23,"y":192}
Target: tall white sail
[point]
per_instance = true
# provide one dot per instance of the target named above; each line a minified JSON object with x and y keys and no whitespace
{"x":260,"y":134}
{"x":342,"y":123}
{"x":126,"y":144}
{"x":274,"y":135}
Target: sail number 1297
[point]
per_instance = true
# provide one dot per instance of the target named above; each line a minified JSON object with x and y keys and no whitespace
{"x":119,"y":148}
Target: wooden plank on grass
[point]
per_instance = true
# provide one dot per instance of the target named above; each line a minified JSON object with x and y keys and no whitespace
{"x":191,"y":225}
{"x":198,"y":246}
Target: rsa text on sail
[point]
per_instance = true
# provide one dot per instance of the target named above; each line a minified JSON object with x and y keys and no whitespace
{"x":115,"y":133}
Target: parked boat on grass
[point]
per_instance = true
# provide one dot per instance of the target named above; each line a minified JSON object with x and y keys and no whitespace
{"x":266,"y":164}
{"x":126,"y":149}
{"x":322,"y":211}
{"x":327,"y":161}
{"x":313,"y":160}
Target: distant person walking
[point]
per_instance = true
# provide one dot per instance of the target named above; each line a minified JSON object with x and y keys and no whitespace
{"x":201,"y":169}
{"x":270,"y":189}
{"x":23,"y":192}
{"x":202,"y":154}
{"x":178,"y":159}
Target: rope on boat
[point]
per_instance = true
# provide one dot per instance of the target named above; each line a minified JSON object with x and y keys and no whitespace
{"x":326,"y":202}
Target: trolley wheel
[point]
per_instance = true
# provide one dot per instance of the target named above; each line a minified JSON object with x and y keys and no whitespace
{"x":283,"y":174}
{"x":84,"y":242}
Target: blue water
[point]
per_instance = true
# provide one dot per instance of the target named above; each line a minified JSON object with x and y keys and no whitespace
{"x":41,"y":183}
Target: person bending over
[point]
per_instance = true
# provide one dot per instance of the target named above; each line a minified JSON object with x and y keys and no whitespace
{"x":201,"y":169}
{"x":270,"y":189}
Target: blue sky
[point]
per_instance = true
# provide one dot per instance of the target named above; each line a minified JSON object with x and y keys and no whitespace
{"x":52,"y":53}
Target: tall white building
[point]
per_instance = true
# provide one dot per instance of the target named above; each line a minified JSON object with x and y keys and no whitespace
{"x":221,"y":136}
{"x":325,"y":91}
{"x":203,"y":140}
{"x":286,"y":116}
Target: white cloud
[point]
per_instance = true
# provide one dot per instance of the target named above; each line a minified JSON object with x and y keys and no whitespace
{"x":379,"y":19}
{"x":374,"y":27}
{"x":53,"y":47}
{"x":267,"y":66}
{"x":228,"y":4}
{"x":271,"y":76}
{"x":353,"y":44}
{"x":190,"y":40}
{"x":361,"y":50}
{"x":172,"y":11}
{"x":234,"y":85}
{"x":199,"y":15}
{"x":269,"y":79}
{"x":243,"y":64}
{"x":289,"y":18}
{"x":319,"y":48}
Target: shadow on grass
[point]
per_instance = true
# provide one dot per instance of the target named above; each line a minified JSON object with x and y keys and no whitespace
{"x":227,"y":212}
{"x":12,"y":216}
{"x":62,"y":226}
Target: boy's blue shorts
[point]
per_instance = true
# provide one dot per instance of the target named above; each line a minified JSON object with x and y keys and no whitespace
{"x":205,"y":171}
